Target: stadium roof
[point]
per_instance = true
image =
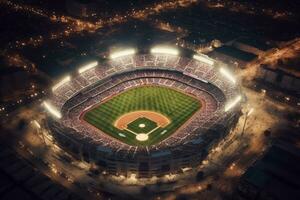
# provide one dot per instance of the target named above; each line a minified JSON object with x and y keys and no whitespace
{"x":236,"y":53}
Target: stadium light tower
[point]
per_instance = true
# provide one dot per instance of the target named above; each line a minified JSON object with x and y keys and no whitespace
{"x":231,"y":104}
{"x":87,"y":67}
{"x":228,"y":75}
{"x":164,"y":50}
{"x":203,"y":58}
{"x":125,"y":52}
{"x":52,"y":110}
{"x":248,"y":113}
{"x":60,"y":83}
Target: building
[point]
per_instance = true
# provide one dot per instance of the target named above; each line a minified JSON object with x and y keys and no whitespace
{"x":280,"y":79}
{"x":232,"y":55}
{"x":253,"y":46}
{"x":275,"y":176}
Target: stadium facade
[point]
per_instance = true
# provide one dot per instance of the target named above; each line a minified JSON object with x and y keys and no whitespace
{"x":196,"y":75}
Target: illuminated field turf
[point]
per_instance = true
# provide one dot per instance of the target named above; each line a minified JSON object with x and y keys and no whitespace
{"x":143,"y":116}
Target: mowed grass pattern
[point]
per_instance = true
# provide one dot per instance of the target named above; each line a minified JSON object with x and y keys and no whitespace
{"x":175,"y":105}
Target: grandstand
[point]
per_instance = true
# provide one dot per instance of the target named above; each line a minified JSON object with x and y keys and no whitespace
{"x":198,"y":77}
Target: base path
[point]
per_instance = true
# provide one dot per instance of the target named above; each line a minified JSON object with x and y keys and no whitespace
{"x":122,"y":122}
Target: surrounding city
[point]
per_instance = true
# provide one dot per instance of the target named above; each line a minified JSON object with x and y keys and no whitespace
{"x":42,"y":41}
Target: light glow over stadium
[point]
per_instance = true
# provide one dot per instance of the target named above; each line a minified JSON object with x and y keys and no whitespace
{"x":121,"y":53}
{"x":230,"y":105}
{"x":228,"y":75}
{"x":61,"y":83}
{"x":87,"y":67}
{"x":51,"y":109}
{"x":164,"y":50}
{"x":203,"y":58}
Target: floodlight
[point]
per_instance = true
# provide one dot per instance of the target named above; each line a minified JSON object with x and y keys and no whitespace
{"x":121,"y":53}
{"x":60,"y":83}
{"x":87,"y":67}
{"x":51,"y":109}
{"x":164,"y":50}
{"x":228,"y":75}
{"x":232,"y":103}
{"x":203,"y":58}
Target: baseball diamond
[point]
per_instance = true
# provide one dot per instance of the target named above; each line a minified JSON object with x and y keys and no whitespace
{"x":173,"y":108}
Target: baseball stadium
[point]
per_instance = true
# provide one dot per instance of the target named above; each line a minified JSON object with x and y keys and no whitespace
{"x":145,"y":112}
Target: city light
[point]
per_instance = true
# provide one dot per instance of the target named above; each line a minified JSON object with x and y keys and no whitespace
{"x":228,"y":75}
{"x":164,"y":50}
{"x":87,"y":67}
{"x":203,"y":58}
{"x":125,"y":52}
{"x":233,"y":103}
{"x":60,"y":83}
{"x":51,"y":109}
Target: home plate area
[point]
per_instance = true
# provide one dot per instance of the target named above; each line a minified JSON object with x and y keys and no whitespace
{"x":141,"y":123}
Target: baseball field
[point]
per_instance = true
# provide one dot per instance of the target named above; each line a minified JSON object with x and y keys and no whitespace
{"x":144,"y":115}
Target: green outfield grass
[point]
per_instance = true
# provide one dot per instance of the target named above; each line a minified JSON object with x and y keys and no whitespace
{"x":175,"y":105}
